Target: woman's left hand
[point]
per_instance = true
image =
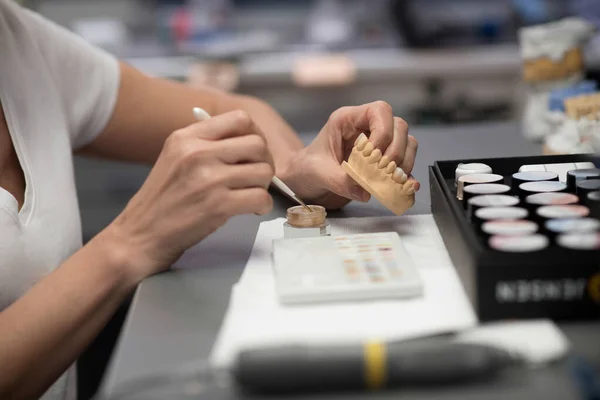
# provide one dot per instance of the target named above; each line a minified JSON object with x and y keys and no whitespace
{"x":315,"y":172}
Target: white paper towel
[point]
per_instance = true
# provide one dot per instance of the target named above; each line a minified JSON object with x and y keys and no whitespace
{"x":255,"y":316}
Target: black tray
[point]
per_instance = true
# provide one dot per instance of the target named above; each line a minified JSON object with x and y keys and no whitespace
{"x":553,"y":283}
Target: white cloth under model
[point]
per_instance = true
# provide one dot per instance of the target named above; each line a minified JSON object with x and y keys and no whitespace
{"x":57,"y":93}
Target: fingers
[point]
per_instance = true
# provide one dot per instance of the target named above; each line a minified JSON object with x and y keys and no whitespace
{"x":410,"y":155}
{"x":249,"y":201}
{"x":243,"y":149}
{"x":228,"y":125}
{"x":402,"y":148}
{"x":375,"y":118}
{"x":415,"y":182}
{"x":380,"y":117}
{"x":340,"y":183}
{"x":385,"y":132}
{"x":243,"y":176}
{"x":396,"y":150}
{"x":236,"y":137}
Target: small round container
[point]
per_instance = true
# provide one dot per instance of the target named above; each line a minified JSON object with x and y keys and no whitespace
{"x":487,"y":214}
{"x":529,"y":188}
{"x":577,"y":175}
{"x":555,"y":227}
{"x":303,"y":223}
{"x":500,"y":213}
{"x":534,"y":201}
{"x":581,"y":241}
{"x":471,"y":168}
{"x":531,"y":176}
{"x":546,"y":213}
{"x":473,"y":179}
{"x":519,"y":244}
{"x":592,"y":200}
{"x":587,"y":186}
{"x":490,"y":200}
{"x":483,"y":189}
{"x":519,"y":227}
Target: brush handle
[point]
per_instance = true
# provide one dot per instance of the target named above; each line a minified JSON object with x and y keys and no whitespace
{"x":200,"y":114}
{"x":283,"y":187}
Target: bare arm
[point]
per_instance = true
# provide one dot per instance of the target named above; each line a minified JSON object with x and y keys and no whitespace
{"x":44,"y":331}
{"x":201,"y":167}
{"x":149,"y":109}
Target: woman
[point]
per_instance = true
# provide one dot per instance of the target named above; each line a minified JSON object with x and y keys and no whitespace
{"x":59,"y":95}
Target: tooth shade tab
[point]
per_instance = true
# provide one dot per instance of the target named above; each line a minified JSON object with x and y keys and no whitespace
{"x":398,"y":175}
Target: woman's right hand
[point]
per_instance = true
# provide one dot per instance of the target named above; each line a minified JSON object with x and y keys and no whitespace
{"x":205,"y":174}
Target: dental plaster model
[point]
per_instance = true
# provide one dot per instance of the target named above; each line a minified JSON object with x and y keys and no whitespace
{"x":556,"y":115}
{"x":552,"y":58}
{"x":380,"y":176}
{"x":580,"y":131}
{"x":585,"y":106}
{"x":564,"y":140}
{"x":555,"y":120}
{"x":536,"y":124}
{"x":576,"y":136}
{"x":589,"y":130}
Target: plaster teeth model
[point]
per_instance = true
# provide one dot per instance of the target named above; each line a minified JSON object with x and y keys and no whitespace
{"x":552,"y":57}
{"x":368,"y":149}
{"x":589,"y":131}
{"x":375,"y":156}
{"x":575,"y":137}
{"x":583,"y":106}
{"x":384,"y":162}
{"x":555,"y":121}
{"x":595,"y":143}
{"x":536,"y":125}
{"x":557,"y":115}
{"x":381,"y":177}
{"x":390,"y":167}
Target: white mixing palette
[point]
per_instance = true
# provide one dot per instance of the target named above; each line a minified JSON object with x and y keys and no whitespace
{"x":344,"y":268}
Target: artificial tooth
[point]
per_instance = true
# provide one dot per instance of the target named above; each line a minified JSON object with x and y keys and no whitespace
{"x":358,"y":139}
{"x":385,"y":160}
{"x":362,"y":143}
{"x":398,"y":175}
{"x":368,"y":149}
{"x":404,"y":176}
{"x":390,"y":167}
{"x":375,"y":156}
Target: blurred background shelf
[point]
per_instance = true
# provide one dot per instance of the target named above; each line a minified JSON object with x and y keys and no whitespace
{"x":437,"y":62}
{"x":372,"y":64}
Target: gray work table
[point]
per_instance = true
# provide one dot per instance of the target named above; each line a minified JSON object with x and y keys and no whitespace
{"x":175,"y":316}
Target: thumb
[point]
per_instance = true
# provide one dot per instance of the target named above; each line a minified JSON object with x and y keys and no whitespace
{"x":340,"y":183}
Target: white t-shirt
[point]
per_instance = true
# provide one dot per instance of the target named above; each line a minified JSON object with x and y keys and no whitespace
{"x":58,"y":93}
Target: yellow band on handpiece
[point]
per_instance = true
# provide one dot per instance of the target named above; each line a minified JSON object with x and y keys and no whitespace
{"x":375,"y":365}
